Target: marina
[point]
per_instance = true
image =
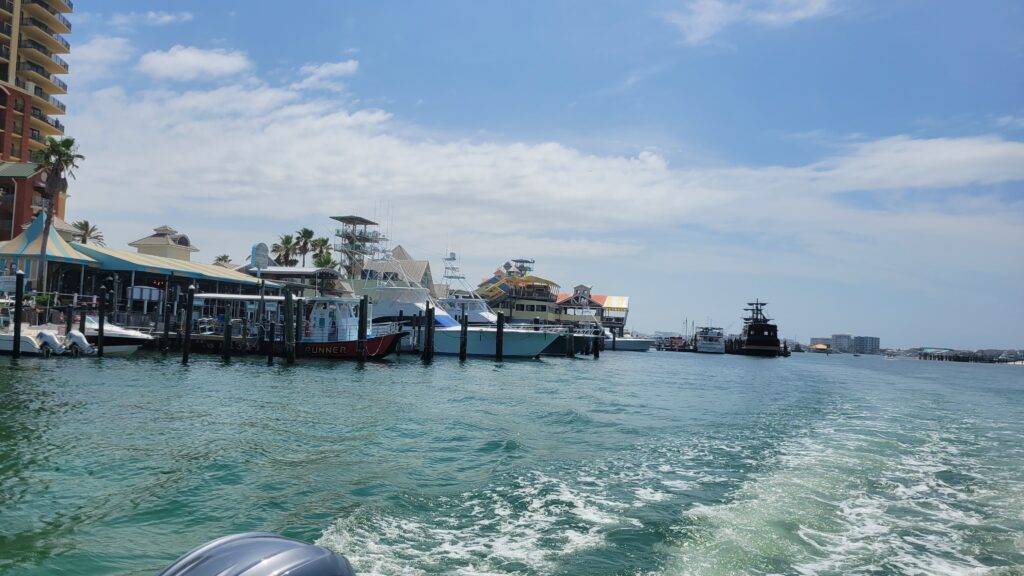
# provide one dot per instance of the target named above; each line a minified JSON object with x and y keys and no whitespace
{"x":686,"y":288}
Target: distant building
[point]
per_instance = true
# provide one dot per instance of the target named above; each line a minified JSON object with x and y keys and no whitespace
{"x":166,"y":242}
{"x":842,"y":343}
{"x":866,"y":345}
{"x":825,"y":341}
{"x":401,"y":266}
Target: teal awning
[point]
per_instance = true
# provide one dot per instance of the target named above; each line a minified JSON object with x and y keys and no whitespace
{"x":124,"y":261}
{"x":28,"y":243}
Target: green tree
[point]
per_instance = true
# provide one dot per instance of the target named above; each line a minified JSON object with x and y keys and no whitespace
{"x":283,"y":250}
{"x":320,"y":246}
{"x":59,"y":159}
{"x":324,"y":260}
{"x":303,"y":242}
{"x":85,"y":231}
{"x":222,"y":260}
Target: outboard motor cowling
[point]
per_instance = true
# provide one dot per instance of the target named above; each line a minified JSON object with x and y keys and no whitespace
{"x":49,"y":341}
{"x":259,"y":554}
{"x":76,"y":340}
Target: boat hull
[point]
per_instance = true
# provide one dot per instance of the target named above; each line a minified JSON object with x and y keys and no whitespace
{"x":29,"y":346}
{"x":710,"y":348}
{"x":376,"y":347}
{"x":628,"y":344}
{"x":482,"y":341}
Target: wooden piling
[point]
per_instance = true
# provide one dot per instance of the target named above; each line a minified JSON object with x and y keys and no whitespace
{"x":81,"y":321}
{"x":102,"y":313}
{"x":364,"y":312}
{"x":499,"y":339}
{"x":597,"y":343}
{"x":300,"y":319}
{"x":427,"y":354}
{"x":270,"y":337}
{"x":225,"y":349}
{"x":19,"y":297}
{"x":289,"y":327}
{"x":417,"y":338}
{"x":69,"y":318}
{"x":166,"y":340}
{"x":570,"y":344}
{"x":186,"y":345}
{"x":614,"y":338}
{"x":463,"y":334}
{"x":401,"y":327}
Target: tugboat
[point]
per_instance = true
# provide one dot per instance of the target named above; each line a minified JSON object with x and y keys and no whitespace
{"x":760,"y":337}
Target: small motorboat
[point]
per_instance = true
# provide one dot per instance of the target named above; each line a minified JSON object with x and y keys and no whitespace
{"x":117,"y":340}
{"x":38,"y":341}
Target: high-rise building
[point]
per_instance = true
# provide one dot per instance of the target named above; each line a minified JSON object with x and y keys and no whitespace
{"x":842,"y":343}
{"x":30,"y":62}
{"x":866,"y":345}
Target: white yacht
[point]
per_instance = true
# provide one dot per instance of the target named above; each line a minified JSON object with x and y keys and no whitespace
{"x":627,"y":342}
{"x":399,"y":289}
{"x":710,"y":340}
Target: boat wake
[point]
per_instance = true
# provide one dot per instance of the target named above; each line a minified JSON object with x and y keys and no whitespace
{"x":859,"y":496}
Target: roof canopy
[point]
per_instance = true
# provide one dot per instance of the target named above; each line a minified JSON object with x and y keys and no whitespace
{"x":356,"y":220}
{"x":28,"y":243}
{"x":18,"y":169}
{"x":121,"y":260}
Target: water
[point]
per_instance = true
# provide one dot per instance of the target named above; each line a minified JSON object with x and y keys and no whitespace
{"x":654,"y":463}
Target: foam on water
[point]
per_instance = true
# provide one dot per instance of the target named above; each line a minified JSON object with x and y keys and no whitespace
{"x":839,"y":499}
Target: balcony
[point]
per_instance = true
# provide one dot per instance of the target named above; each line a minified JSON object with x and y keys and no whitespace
{"x":39,"y":75}
{"x":40,"y":32}
{"x":50,"y":126}
{"x":7,"y":6}
{"x":5,"y":29}
{"x":64,"y":5}
{"x":41,"y":54}
{"x":5,"y":53}
{"x":48,"y":14}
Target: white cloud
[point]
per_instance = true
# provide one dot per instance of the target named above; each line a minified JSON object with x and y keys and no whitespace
{"x":241,"y":163}
{"x":1012,"y":122}
{"x":191,"y":63}
{"x":326,"y":75}
{"x":98,"y":58}
{"x":150,"y":18}
{"x":700,"y":20}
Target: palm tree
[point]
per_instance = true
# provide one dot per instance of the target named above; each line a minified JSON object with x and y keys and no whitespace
{"x":59,"y":159}
{"x":324,"y":260}
{"x":320,"y":246}
{"x":222,"y":260}
{"x":283,"y":250}
{"x":84,"y":231}
{"x":303,"y":238}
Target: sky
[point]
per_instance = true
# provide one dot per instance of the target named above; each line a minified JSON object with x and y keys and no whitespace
{"x":858,"y":165}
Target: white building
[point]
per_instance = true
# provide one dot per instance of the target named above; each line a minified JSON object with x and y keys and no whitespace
{"x":842,"y":342}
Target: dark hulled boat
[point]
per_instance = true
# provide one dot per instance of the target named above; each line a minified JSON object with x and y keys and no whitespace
{"x":760,"y":337}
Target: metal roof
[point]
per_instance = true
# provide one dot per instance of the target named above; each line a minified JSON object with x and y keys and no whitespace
{"x":353,"y":220}
{"x":122,"y":260}
{"x":18,"y":169}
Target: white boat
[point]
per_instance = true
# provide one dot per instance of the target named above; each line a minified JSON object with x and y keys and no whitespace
{"x":117,"y":340}
{"x":627,"y":343}
{"x":710,"y":340}
{"x":36,"y":341}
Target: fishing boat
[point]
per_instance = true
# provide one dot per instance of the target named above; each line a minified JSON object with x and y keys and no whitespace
{"x":459,"y":299}
{"x":331,"y":330}
{"x":710,"y":340}
{"x":396,"y":284}
{"x":759,"y":337}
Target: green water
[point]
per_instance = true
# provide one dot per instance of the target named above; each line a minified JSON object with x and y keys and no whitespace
{"x":656,"y":463}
